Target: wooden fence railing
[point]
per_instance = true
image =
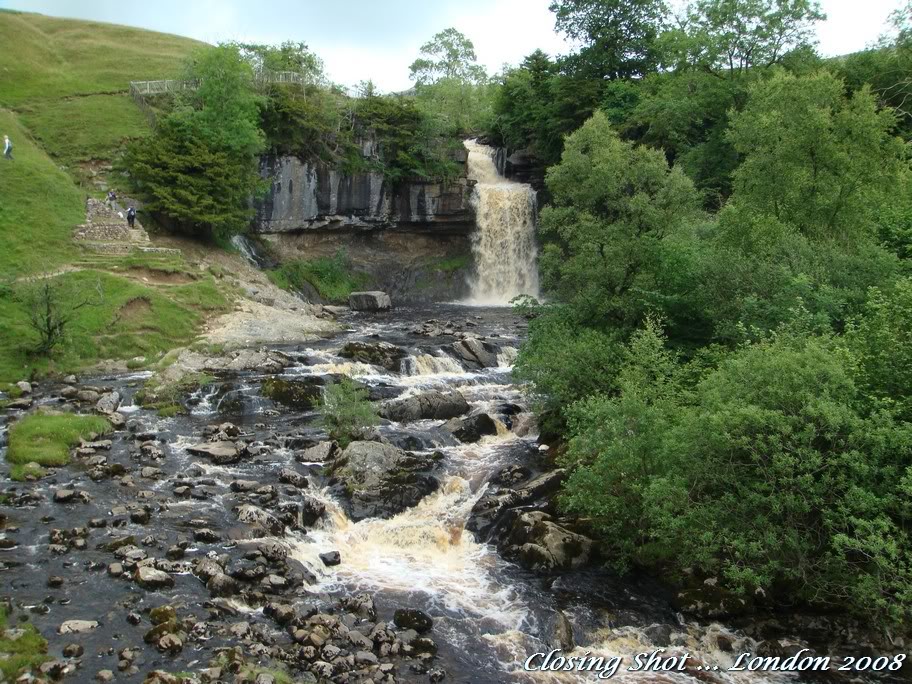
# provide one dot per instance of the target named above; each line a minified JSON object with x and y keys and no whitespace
{"x":140,"y":90}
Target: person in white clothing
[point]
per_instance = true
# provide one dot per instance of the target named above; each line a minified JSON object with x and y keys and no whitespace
{"x":7,"y":147}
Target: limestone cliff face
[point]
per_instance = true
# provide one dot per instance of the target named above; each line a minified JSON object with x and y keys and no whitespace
{"x":307,"y":196}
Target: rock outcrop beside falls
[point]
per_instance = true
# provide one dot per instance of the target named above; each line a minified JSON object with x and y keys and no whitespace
{"x":317,"y":196}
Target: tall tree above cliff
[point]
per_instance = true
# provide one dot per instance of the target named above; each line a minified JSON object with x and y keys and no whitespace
{"x":729,"y":38}
{"x":617,"y":37}
{"x":449,"y":55}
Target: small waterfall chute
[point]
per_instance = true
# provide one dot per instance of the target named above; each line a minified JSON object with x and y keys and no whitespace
{"x":503,"y":244}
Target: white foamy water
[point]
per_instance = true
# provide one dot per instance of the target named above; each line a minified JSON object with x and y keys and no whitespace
{"x":503,"y":243}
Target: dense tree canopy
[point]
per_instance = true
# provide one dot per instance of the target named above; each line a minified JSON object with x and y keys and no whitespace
{"x":617,"y":37}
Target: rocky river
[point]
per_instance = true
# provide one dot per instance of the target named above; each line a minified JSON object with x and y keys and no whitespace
{"x":237,"y":537}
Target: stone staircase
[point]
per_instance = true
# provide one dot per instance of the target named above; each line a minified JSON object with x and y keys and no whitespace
{"x":106,"y":231}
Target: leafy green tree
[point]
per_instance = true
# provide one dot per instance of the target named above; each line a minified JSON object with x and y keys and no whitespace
{"x":618,"y":37}
{"x":450,"y":85}
{"x":448,"y":55}
{"x":199,"y":169}
{"x":346,"y":411}
{"x":814,"y":161}
{"x":289,"y":56}
{"x":731,"y":38}
{"x":613,"y":205}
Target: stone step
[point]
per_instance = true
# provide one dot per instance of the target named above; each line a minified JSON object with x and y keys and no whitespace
{"x":124,"y":248}
{"x":110,"y":232}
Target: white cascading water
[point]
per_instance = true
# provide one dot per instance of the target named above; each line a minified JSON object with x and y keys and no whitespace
{"x":504,"y":240}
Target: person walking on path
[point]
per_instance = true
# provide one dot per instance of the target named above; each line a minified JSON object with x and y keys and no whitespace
{"x":131,"y":216}
{"x":7,"y":147}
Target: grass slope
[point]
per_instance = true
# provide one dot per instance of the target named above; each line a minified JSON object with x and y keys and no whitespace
{"x":48,"y":58}
{"x":64,"y":101}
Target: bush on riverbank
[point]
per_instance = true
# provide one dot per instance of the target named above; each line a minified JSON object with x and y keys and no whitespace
{"x":46,"y":439}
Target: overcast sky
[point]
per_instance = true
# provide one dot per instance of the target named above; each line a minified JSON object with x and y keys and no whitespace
{"x":378,"y":39}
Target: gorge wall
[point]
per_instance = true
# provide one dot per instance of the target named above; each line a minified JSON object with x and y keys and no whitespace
{"x":316,"y":196}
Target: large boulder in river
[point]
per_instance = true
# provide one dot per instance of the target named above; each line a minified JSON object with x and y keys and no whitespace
{"x":429,"y":405}
{"x":541,"y":544}
{"x":220,"y":453}
{"x":383,"y":480}
{"x":382,"y":354}
{"x":369,"y":301}
{"x":476,"y":353}
{"x":472,"y":428}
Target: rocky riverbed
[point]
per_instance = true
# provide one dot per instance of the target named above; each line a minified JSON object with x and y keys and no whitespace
{"x":236,"y":542}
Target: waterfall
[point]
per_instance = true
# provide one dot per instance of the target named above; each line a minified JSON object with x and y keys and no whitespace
{"x":504,"y":240}
{"x":248,"y":250}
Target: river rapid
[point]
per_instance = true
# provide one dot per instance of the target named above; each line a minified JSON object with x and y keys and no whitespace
{"x":489,"y":613}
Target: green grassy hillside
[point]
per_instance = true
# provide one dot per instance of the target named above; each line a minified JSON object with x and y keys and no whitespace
{"x":64,"y":102}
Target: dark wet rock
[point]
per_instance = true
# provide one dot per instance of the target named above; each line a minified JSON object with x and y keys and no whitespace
{"x":659,"y":635}
{"x":472,"y":428}
{"x":331,"y":558}
{"x":206,"y":536}
{"x":221,"y":453}
{"x":510,"y":475}
{"x":293,"y":477}
{"x":272,"y":550}
{"x":152,"y":579}
{"x":369,"y":301}
{"x":140,"y":517}
{"x":223,"y":585}
{"x":562,"y":633}
{"x":247,"y":571}
{"x":69,"y":392}
{"x":476,"y":353}
{"x":73,"y":650}
{"x":243,"y":485}
{"x":162,"y":614}
{"x":324,"y":451}
{"x":21,"y":403}
{"x":258,"y":518}
{"x":207,"y":568}
{"x":300,"y":394}
{"x":412,"y":618}
{"x":438,"y":405}
{"x":56,"y":669}
{"x":382,"y":480}
{"x":55,"y":581}
{"x":311,"y":510}
{"x":423,"y":645}
{"x":382,"y":354}
{"x":540,"y":544}
{"x":280,"y":612}
{"x":70,"y":496}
